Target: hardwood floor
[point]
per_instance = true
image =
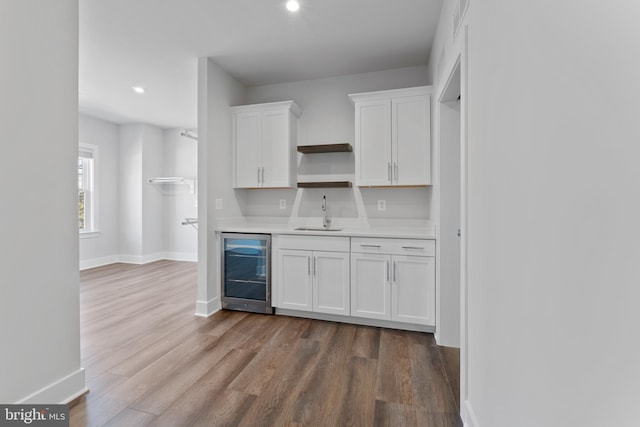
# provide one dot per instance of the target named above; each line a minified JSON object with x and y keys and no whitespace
{"x":150,"y":361}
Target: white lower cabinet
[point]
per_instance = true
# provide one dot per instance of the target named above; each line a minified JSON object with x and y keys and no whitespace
{"x":310,"y":280}
{"x":413,"y":289}
{"x":295,"y":280}
{"x":331,"y":282}
{"x":370,"y":290}
{"x":389,"y":285}
{"x":371,"y":278}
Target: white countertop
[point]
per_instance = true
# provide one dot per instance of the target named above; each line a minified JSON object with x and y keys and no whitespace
{"x":394,"y":230}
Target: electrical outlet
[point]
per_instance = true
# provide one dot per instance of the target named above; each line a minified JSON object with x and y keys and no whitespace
{"x":382,"y":205}
{"x":218,"y":204}
{"x":283,"y":204}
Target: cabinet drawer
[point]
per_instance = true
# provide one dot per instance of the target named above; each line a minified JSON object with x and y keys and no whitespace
{"x":313,"y":243}
{"x":373,"y":245}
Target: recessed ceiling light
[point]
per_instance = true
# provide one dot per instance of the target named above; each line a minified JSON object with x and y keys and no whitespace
{"x":293,"y":5}
{"x":137,"y":89}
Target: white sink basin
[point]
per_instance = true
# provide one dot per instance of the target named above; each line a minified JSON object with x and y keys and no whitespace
{"x":318,"y":229}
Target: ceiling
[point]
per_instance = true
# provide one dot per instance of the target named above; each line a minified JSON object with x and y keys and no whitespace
{"x":156,"y":43}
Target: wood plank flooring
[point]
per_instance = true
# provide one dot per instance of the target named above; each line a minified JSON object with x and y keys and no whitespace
{"x":150,"y":362}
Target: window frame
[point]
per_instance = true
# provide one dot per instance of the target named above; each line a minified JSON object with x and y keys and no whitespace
{"x":91,"y":194}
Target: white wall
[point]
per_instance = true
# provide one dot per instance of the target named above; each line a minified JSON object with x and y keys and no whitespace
{"x":217,"y":91}
{"x":140,"y":222}
{"x":141,"y":204}
{"x":39,"y":307}
{"x":552,"y":213}
{"x":104,"y":247}
{"x":153,"y":216}
{"x":180,"y":159}
{"x":328,"y":116}
{"x":130,"y":191}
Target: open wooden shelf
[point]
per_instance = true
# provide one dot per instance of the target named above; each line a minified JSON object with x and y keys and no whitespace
{"x":327,"y":184}
{"x":325,"y":148}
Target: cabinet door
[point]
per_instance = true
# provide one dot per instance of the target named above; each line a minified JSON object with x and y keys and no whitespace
{"x":413,"y":290}
{"x":331,"y":282}
{"x":247,"y":135}
{"x":411,"y":137}
{"x":275,"y":149}
{"x":294,"y":287}
{"x":373,"y":143}
{"x":370,"y":290}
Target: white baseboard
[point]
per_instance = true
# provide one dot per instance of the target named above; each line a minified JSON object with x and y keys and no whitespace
{"x":207,"y":308}
{"x":444,"y":342}
{"x":468,"y":416}
{"x":137,"y":259}
{"x":141,"y":259}
{"x":98,"y":262}
{"x":62,"y":391}
{"x":182,"y":256}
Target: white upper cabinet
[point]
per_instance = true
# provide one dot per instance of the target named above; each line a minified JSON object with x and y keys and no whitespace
{"x":264,"y":145}
{"x":393,"y":137}
{"x":247,"y":137}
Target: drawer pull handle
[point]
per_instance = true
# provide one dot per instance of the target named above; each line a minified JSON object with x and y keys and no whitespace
{"x":413,"y":247}
{"x":371,"y":246}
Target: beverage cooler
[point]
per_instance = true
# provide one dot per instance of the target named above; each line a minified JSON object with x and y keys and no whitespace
{"x":246,"y":272}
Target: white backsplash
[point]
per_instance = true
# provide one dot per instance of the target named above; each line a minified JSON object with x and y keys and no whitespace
{"x":343,"y":203}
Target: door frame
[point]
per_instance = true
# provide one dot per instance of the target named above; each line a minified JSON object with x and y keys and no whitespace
{"x":459,"y":62}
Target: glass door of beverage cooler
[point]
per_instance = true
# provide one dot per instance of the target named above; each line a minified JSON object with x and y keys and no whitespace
{"x":246,"y":275}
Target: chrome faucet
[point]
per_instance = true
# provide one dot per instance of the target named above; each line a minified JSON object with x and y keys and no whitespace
{"x":326,"y":219}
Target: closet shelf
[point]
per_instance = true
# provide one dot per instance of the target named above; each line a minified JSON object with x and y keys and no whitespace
{"x":325,"y":148}
{"x":191,"y":221}
{"x":325,"y":184}
{"x":174,"y":180}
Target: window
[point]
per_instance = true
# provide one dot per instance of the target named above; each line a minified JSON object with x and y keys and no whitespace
{"x":87,"y":157}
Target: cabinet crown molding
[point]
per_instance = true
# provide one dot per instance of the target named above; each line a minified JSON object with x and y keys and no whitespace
{"x":392,"y":93}
{"x":295,"y":108}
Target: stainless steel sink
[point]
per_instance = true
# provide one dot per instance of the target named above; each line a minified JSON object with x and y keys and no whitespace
{"x":318,"y":229}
